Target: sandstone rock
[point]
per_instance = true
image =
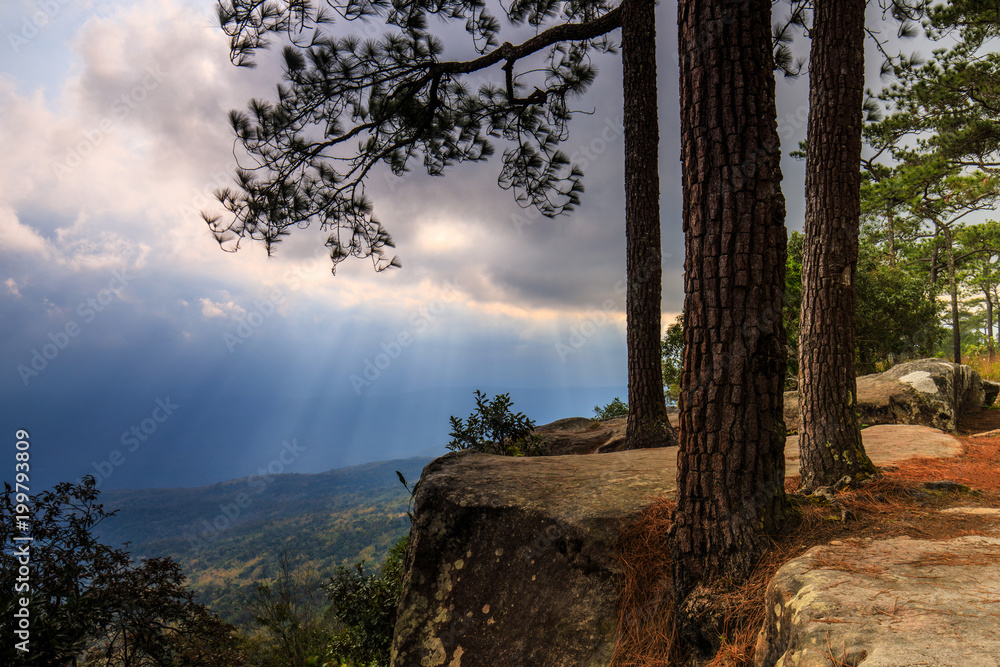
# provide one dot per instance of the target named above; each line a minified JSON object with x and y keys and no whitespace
{"x":931,"y":392}
{"x":887,"y":603}
{"x":511,"y":560}
{"x":889,"y":443}
{"x":578,"y":435}
{"x":991,"y":389}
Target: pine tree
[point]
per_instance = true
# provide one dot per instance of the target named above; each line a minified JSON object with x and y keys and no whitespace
{"x":829,"y":430}
{"x":347,"y":104}
{"x":730,"y":479}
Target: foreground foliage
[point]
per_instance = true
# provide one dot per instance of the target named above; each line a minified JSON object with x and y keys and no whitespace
{"x":89,"y":599}
{"x":365,"y":606}
{"x":615,"y":408}
{"x":493,"y":429}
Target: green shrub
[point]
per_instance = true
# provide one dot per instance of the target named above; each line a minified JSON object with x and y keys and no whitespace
{"x":365,"y":606}
{"x":672,"y":358}
{"x":615,"y":408}
{"x":494,"y":429}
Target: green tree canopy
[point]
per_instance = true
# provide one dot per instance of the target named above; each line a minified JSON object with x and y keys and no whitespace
{"x":84,"y":595}
{"x":348,"y":104}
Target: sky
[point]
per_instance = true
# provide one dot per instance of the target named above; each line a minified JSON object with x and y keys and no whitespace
{"x":134,"y":349}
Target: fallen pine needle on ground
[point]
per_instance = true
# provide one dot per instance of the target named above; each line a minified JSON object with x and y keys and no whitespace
{"x":893,"y":506}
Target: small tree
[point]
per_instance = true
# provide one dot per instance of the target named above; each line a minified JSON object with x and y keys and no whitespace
{"x":493,"y":429}
{"x":86,"y":595}
{"x":289,"y":609}
{"x":672,"y":358}
{"x":982,"y":272}
{"x":616,"y":408}
{"x":157,"y":622}
{"x":365,"y":606}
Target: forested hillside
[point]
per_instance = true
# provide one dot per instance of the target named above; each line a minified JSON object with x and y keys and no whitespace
{"x":228,"y":536}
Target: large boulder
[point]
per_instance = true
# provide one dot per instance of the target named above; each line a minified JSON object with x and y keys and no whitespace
{"x":579,"y":435}
{"x":512,"y":561}
{"x":991,"y":389}
{"x":931,"y":392}
{"x":887,"y":603}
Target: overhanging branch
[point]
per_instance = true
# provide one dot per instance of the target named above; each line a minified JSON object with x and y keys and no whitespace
{"x":566,"y":32}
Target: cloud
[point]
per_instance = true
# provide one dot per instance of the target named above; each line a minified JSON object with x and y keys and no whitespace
{"x":80,"y":246}
{"x":12,"y":287}
{"x":19,"y":238}
{"x":230,"y":309}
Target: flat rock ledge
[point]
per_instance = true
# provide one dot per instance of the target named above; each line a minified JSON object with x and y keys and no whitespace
{"x":888,"y":603}
{"x":512,"y":561}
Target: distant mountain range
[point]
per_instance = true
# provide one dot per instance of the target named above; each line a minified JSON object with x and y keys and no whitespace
{"x":227,"y":536}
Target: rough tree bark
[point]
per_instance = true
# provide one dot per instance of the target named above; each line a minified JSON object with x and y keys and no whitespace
{"x":730,"y":478}
{"x":956,"y":331}
{"x":890,"y":227}
{"x":990,"y":349}
{"x":830,"y":446}
{"x":647,"y":425}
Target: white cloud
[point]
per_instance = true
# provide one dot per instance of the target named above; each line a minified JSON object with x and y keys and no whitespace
{"x":12,"y":287}
{"x":80,"y":247}
{"x":18,"y":238}
{"x":229,"y":308}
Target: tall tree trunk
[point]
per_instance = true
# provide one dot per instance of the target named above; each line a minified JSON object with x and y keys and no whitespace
{"x":990,"y":350}
{"x":956,"y":332}
{"x":647,"y":424}
{"x":994,"y":339}
{"x":730,"y":465}
{"x":934,"y":260}
{"x":830,"y":446}
{"x":892,"y":239}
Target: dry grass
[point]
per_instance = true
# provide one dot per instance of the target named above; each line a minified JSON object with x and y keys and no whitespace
{"x":885,"y":508}
{"x":988,"y":366}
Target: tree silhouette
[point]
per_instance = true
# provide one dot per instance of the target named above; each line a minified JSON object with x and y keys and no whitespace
{"x":89,"y":598}
{"x":347,"y":105}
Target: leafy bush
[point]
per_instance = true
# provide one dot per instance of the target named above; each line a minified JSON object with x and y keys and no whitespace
{"x":287,"y":609}
{"x":672,"y":358}
{"x":88,"y":598}
{"x":365,"y":605}
{"x":494,"y":429}
{"x":615,"y":408}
